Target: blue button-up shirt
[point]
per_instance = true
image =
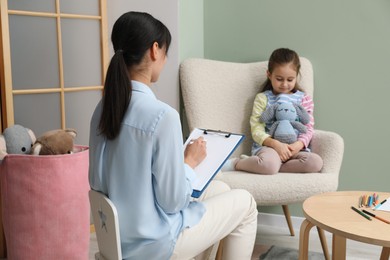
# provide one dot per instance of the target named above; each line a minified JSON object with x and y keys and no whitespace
{"x":143,"y":172}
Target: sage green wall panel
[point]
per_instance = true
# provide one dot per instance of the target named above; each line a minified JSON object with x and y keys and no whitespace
{"x":347,"y":42}
{"x":191,"y":29}
{"x":191,"y":41}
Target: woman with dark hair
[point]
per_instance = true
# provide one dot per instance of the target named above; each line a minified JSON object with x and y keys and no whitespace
{"x":137,"y":159}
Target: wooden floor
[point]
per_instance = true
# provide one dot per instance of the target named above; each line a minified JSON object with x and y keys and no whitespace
{"x":274,"y":235}
{"x":268,"y":236}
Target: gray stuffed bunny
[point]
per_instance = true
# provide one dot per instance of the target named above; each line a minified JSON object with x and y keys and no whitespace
{"x":283,"y":117}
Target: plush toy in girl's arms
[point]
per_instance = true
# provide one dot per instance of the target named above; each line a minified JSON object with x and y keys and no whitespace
{"x":288,"y":121}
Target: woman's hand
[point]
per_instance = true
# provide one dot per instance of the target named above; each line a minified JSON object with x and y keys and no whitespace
{"x":195,"y":152}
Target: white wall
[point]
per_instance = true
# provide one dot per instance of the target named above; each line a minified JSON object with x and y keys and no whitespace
{"x":167,"y":11}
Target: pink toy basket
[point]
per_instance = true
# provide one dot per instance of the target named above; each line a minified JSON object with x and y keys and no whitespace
{"x":45,"y":205}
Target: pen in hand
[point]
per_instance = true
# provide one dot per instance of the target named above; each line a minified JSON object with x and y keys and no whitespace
{"x":195,"y":152}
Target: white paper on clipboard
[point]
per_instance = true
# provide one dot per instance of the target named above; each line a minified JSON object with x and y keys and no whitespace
{"x":385,"y":206}
{"x":220,"y":145}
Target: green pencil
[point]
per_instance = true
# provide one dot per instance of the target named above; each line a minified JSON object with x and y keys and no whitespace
{"x":361,"y":213}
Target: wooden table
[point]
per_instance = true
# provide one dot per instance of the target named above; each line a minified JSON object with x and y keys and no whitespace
{"x":332,"y":212}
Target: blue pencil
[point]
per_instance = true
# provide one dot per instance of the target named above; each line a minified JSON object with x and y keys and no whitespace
{"x":370,"y":201}
{"x":380,"y":204}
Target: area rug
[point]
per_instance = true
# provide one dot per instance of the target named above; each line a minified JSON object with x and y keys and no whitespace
{"x":281,"y":253}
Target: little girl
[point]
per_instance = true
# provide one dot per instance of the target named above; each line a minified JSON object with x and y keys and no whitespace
{"x":269,"y":155}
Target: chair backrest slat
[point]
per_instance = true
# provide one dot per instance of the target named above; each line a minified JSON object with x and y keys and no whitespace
{"x":105,"y":218}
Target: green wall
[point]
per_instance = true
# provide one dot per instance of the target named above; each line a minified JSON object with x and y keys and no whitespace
{"x":348,"y":43}
{"x":191,"y":33}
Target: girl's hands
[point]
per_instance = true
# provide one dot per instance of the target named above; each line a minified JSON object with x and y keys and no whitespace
{"x":296,"y":147}
{"x":283,"y":150}
{"x":292,"y":149}
{"x":195,"y":152}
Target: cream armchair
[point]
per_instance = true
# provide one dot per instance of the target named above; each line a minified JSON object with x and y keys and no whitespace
{"x":219,"y":95}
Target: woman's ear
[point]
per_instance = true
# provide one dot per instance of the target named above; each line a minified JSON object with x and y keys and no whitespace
{"x":154,"y":51}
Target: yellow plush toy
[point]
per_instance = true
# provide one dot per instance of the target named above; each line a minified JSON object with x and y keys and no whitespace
{"x":54,"y":142}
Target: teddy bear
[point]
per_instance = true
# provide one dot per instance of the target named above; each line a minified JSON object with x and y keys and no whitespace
{"x":16,"y":139}
{"x":55,"y":142}
{"x":288,"y":121}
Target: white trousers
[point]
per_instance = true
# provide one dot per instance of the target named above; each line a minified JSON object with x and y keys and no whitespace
{"x":230,"y":215}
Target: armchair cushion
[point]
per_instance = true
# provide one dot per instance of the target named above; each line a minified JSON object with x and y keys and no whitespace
{"x":287,"y":188}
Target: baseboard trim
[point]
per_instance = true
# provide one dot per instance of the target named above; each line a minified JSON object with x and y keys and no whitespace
{"x":278,"y":220}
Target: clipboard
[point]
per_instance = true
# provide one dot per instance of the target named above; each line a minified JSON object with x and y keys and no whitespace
{"x":220,"y":145}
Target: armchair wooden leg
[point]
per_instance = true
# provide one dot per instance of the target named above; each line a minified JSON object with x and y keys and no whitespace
{"x":219,"y":251}
{"x":288,"y":219}
{"x":324,"y":245}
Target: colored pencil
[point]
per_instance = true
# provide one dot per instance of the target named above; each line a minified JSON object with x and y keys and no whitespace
{"x":360,"y":203}
{"x":375,"y":216}
{"x":361,"y":213}
{"x":380,"y":204}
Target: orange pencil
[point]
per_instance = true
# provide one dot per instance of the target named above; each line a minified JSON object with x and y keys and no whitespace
{"x":377,"y":199}
{"x":365,"y":200}
{"x":375,"y":216}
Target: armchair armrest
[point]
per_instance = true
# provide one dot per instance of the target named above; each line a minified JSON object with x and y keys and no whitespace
{"x":330,"y":146}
